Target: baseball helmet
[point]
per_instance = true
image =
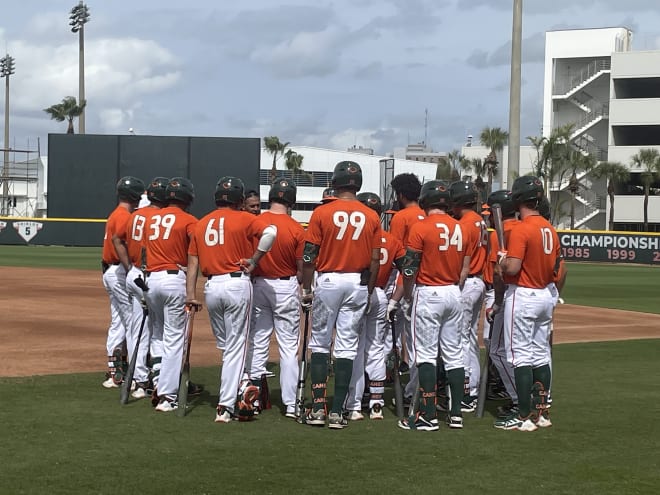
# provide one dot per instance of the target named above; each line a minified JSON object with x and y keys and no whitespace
{"x":328,"y":195}
{"x":157,"y":190}
{"x":544,"y":208}
{"x":371,"y":200}
{"x":434,"y":193}
{"x":283,"y":190}
{"x":526,"y":188}
{"x":229,"y":190}
{"x":130,"y":188}
{"x":180,"y":189}
{"x":463,"y":193}
{"x":502,"y":198}
{"x":347,"y":175}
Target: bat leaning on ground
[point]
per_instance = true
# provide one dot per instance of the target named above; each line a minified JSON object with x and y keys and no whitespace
{"x":302,"y":374}
{"x":496,"y":212}
{"x":396,"y":377}
{"x":128,"y":379}
{"x":191,"y":309}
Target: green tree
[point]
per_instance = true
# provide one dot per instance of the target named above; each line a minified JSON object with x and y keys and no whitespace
{"x":275,"y":147}
{"x":495,"y":139}
{"x":67,"y":110}
{"x":648,"y":160}
{"x":443,"y":170}
{"x":552,"y":154}
{"x":293,"y":161}
{"x":456,"y":162}
{"x":614,"y":172}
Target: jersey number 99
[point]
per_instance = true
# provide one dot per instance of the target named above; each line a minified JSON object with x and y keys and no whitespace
{"x":342,"y":220}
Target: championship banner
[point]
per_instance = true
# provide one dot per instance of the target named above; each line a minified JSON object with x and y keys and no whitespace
{"x":27,"y":230}
{"x":614,"y":247}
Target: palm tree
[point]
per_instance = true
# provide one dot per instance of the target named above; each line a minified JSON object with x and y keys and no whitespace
{"x":613,"y":172}
{"x":480,"y":168}
{"x":552,"y":153}
{"x":293,"y":162}
{"x":67,"y":110}
{"x":274,"y":147}
{"x":443,"y":171}
{"x":578,"y":162}
{"x":649,"y":160}
{"x":494,"y":138}
{"x":456,"y":161}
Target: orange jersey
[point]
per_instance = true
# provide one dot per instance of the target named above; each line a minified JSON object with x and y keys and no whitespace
{"x":494,"y":247}
{"x":441,"y":241}
{"x":403,"y":220}
{"x":536,"y":243}
{"x":474,"y":229}
{"x":133,"y":236}
{"x":391,"y":250}
{"x":281,"y":260}
{"x":166,"y":238}
{"x":223,"y":237}
{"x":116,"y":224}
{"x":346,"y":232}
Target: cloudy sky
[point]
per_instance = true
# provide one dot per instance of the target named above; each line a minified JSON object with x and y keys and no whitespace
{"x":322,"y":73}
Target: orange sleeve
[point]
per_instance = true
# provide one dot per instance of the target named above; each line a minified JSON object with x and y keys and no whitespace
{"x":416,"y":237}
{"x":192,"y":247}
{"x":314,"y":228}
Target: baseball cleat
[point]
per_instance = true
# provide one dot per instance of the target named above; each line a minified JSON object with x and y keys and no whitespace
{"x":315,"y":418}
{"x":469,"y":404}
{"x":418,"y":423}
{"x":376,"y":412}
{"x":167,"y":406}
{"x":110,"y":383}
{"x":455,"y":421}
{"x":515,"y":423}
{"x":223,"y":415}
{"x":355,"y":416}
{"x":543,"y":421}
{"x":139,"y":393}
{"x":337,"y":421}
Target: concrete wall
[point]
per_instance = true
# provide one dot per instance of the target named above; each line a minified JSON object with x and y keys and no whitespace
{"x":629,"y":209}
{"x":636,"y":64}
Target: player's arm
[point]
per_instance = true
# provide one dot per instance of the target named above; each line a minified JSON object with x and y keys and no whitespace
{"x":409,"y":268}
{"x":191,"y":279}
{"x":374,"y":266}
{"x":266,"y":241}
{"x":512,"y":266}
{"x":465,"y":271}
{"x":122,"y":251}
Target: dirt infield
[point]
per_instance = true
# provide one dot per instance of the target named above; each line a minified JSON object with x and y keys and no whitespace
{"x":55,"y":321}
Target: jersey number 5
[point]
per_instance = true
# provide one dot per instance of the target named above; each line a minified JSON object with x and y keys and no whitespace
{"x":446,"y":240}
{"x":342,"y":220}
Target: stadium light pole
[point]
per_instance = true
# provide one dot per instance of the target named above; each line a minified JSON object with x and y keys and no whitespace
{"x":513,"y":163}
{"x":79,"y":16}
{"x":6,"y":70}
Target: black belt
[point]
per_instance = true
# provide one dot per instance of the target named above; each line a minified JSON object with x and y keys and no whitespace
{"x":288,"y":277}
{"x":169,"y":272}
{"x":474,"y":276}
{"x":105,"y":266}
{"x":232,"y":275}
{"x":489,"y":286}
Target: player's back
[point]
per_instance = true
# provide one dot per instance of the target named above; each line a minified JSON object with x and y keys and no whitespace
{"x":346,"y":232}
{"x":167,"y":238}
{"x":474,"y":226}
{"x":135,"y":235}
{"x":535,"y":242}
{"x":223,"y":237}
{"x":391,"y":249}
{"x":403,"y":220}
{"x":117,"y":221}
{"x":281,"y":260}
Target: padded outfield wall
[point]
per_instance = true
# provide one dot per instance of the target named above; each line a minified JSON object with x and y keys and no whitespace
{"x":84,"y":169}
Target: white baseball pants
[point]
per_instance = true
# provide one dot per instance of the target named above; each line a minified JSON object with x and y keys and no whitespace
{"x":472,"y":298}
{"x":141,"y":371}
{"x":121,"y":306}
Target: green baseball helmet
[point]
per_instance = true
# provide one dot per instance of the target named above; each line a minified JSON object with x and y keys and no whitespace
{"x":463,"y":193}
{"x":157,"y":190}
{"x":347,"y":175}
{"x":284,"y":191}
{"x":130,"y":188}
{"x":229,"y":190}
{"x":180,"y":189}
{"x":526,"y":188}
{"x":435,"y":193}
{"x":502,"y":198}
{"x":371,"y":200}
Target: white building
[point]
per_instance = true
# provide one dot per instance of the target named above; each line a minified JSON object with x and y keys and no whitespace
{"x":318,"y":165}
{"x":27,"y":188}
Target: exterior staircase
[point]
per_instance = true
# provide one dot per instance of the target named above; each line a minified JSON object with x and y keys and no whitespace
{"x":590,"y":72}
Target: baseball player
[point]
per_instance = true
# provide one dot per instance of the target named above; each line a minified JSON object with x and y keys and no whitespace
{"x":343,"y":244}
{"x":529,"y":266}
{"x":371,"y":347}
{"x":222,"y":248}
{"x":435,"y":268}
{"x":129,"y":191}
{"x":494,"y":315}
{"x":167,"y":235}
{"x":129,"y":245}
{"x":277,"y":294}
{"x":406,"y":189}
{"x":464,"y":196}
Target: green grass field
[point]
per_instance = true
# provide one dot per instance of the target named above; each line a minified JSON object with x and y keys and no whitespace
{"x":67,"y":435}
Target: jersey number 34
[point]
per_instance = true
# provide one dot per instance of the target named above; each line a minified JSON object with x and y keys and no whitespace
{"x":447,"y":239}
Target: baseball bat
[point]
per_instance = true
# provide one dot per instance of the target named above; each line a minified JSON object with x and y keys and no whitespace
{"x":498,"y":225}
{"x":128,"y":379}
{"x":398,"y":390}
{"x":185,"y":367}
{"x":302,"y":374}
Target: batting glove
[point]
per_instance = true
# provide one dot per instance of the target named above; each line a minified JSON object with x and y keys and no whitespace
{"x":491,"y":312}
{"x":392,"y":306}
{"x":501,"y":256}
